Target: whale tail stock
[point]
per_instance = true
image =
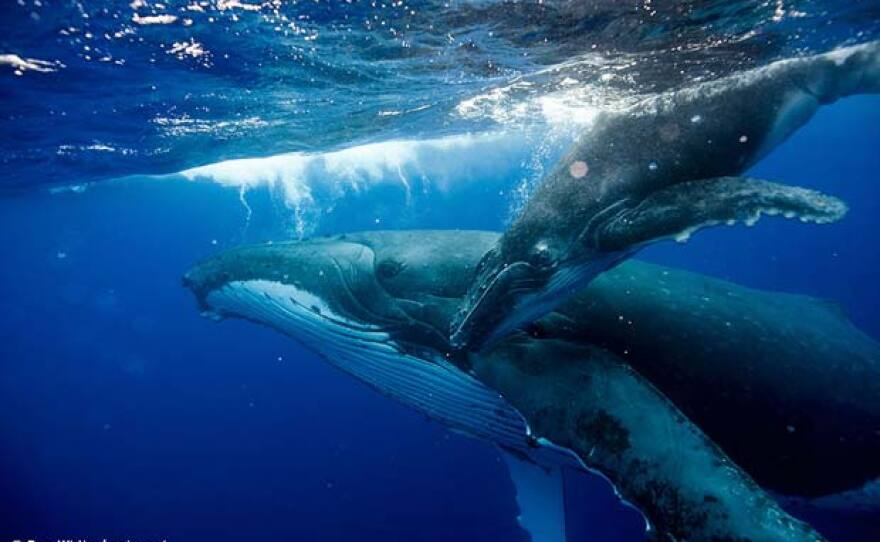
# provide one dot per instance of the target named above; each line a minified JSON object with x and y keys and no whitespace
{"x":846,"y":72}
{"x":588,"y":400}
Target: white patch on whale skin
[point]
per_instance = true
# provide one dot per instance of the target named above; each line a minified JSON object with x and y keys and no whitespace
{"x":752,"y":219}
{"x":304,"y":298}
{"x":434,"y":387}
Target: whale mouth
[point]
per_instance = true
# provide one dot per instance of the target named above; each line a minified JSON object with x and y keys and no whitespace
{"x":301,"y":315}
{"x":330,"y":283}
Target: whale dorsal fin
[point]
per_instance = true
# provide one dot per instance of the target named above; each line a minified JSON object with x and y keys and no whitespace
{"x":678,"y":211}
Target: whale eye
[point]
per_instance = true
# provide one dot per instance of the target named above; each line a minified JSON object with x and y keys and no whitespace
{"x":388,"y":269}
{"x":542,"y":255}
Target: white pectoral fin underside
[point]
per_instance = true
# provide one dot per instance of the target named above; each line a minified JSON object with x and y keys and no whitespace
{"x":433,"y":387}
{"x":681,"y":209}
{"x":540,"y":496}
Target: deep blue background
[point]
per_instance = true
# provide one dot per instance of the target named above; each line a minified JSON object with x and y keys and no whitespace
{"x":125,"y":414}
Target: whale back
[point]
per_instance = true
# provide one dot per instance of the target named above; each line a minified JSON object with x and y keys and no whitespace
{"x":788,"y":373}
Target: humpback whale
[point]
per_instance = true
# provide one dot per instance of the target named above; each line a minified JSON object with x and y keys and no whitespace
{"x":662,"y":169}
{"x":599,"y":384}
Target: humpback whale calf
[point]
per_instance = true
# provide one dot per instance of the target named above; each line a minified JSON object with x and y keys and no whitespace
{"x":666,"y":410}
{"x":661,"y":169}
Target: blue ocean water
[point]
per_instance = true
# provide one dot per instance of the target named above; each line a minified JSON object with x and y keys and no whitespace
{"x":125,"y":415}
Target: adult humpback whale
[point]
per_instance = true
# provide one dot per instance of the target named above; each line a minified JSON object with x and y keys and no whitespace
{"x":662,"y":169}
{"x":377,"y":305}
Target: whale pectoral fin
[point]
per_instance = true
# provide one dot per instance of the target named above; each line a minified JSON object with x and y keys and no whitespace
{"x":620,"y":425}
{"x":540,"y":496}
{"x":680,"y":210}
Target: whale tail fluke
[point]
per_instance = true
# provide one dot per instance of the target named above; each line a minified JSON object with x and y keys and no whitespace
{"x":680,"y":210}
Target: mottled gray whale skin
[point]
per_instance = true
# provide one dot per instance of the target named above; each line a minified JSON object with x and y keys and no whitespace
{"x":661,"y":169}
{"x":638,"y":398}
{"x":787,"y":373}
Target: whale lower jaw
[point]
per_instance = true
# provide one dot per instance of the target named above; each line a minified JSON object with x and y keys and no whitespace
{"x":433,"y":387}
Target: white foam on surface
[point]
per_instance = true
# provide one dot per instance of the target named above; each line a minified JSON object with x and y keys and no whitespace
{"x":21,"y":65}
{"x":223,"y":5}
{"x":394,"y":179}
{"x":570,"y":108}
{"x":356,"y":166}
{"x":145,"y":20}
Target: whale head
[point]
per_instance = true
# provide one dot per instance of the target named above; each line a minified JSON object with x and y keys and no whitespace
{"x":376,"y":306}
{"x":369,"y":293}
